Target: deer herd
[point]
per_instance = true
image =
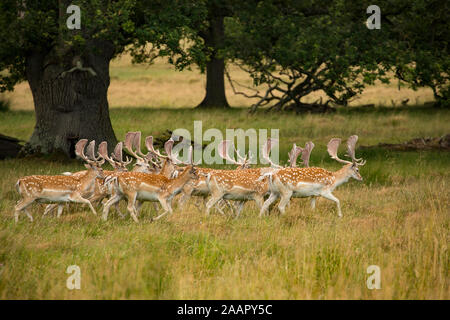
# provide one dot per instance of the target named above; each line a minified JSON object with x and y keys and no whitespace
{"x":159,"y":178}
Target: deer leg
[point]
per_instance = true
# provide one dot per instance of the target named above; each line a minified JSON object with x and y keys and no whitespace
{"x":28,"y":214}
{"x":114,"y":199}
{"x":166,"y":206}
{"x":285,"y":197}
{"x":116,"y":205}
{"x":60,"y":210}
{"x":230,"y":206}
{"x":239,"y":207}
{"x":138,"y":207}
{"x":186,"y":194}
{"x":22,"y":205}
{"x":313,"y":203}
{"x":131,"y":205}
{"x":219,"y":207}
{"x":272,"y":198}
{"x":76,"y":197}
{"x":49,"y":208}
{"x":211,"y":202}
{"x":330,"y":196}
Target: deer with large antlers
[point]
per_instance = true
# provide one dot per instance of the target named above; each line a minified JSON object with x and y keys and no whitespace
{"x":99,"y":190}
{"x":144,"y":162}
{"x":313,"y":181}
{"x":200,"y":188}
{"x":136,"y":186}
{"x":45,"y":188}
{"x":293,"y":155}
{"x":240,"y":185}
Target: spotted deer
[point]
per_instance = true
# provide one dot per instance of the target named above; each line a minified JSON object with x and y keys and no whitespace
{"x":99,"y":191}
{"x":239,"y":185}
{"x":313,"y":181}
{"x":200,"y":188}
{"x":60,"y":188}
{"x":134,"y":186}
{"x":293,"y":155}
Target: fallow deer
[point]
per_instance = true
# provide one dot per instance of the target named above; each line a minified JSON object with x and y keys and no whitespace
{"x":135,"y":186}
{"x":293,"y":155}
{"x":239,"y":185}
{"x":313,"y":181}
{"x":200,"y":188}
{"x":99,"y":191}
{"x":46,"y":188}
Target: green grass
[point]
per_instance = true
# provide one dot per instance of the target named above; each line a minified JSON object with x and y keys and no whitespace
{"x":397,"y":218}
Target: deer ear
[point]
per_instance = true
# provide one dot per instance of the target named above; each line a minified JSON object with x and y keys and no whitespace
{"x":87,"y":165}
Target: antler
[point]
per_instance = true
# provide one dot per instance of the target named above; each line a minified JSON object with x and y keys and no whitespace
{"x":223,"y":151}
{"x":293,"y":155}
{"x":103,"y":151}
{"x":129,"y":141}
{"x":90,"y":151}
{"x":168,"y":145}
{"x":79,"y":149}
{"x":151,"y":149}
{"x":89,"y":157}
{"x":306,"y":153}
{"x":266,"y":151}
{"x":117,"y":155}
{"x":332,"y":148}
{"x":351,"y":144}
{"x":168,"y":149}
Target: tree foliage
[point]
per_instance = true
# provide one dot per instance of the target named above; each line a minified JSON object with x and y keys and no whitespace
{"x":147,"y":29}
{"x":297,"y":47}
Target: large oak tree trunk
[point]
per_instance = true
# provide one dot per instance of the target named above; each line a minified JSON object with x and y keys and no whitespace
{"x":70,"y":105}
{"x":215,"y":84}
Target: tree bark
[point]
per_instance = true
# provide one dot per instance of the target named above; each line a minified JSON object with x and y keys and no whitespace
{"x":215,"y":78}
{"x":70,"y":103}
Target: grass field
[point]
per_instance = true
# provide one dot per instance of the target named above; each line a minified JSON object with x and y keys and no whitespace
{"x":397,"y":218}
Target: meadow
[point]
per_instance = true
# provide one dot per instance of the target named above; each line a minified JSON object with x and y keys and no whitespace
{"x":397,"y":218}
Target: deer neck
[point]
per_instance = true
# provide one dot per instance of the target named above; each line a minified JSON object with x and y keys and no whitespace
{"x":166,"y":169}
{"x":88,"y":180}
{"x":342,"y":175}
{"x":179,"y":182}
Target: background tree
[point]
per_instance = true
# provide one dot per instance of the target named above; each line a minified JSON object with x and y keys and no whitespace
{"x":68,"y":70}
{"x":213,"y":36}
{"x":295,"y":48}
{"x":420,"y":38}
{"x":202,"y":45}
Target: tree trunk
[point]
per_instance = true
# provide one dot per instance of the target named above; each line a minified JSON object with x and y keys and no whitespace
{"x":70,"y":97}
{"x":215,"y":83}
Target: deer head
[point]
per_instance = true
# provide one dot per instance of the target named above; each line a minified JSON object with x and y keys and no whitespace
{"x":133,"y":140}
{"x":353,"y":165}
{"x":92,"y":163}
